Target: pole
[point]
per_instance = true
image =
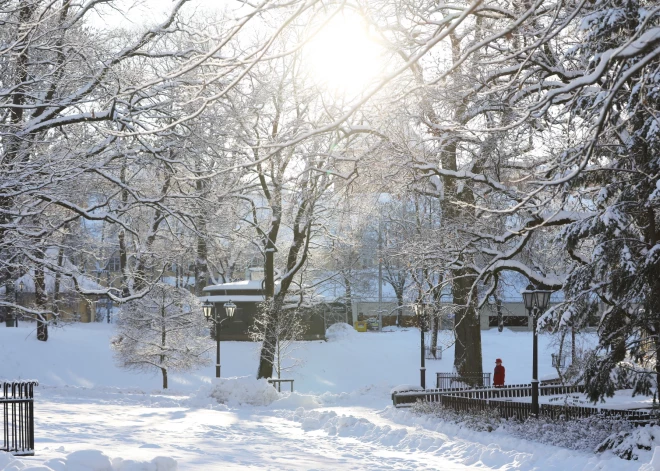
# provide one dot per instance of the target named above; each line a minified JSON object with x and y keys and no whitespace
{"x":535,"y":368}
{"x":108,"y":304}
{"x":217,"y":346}
{"x":422,"y":369}
{"x":380,"y":273}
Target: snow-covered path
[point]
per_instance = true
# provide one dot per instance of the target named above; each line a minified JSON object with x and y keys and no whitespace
{"x":143,"y":426}
{"x":203,"y":435}
{"x":340,"y":417}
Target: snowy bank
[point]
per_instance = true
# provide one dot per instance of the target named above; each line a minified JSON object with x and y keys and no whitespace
{"x":88,"y":460}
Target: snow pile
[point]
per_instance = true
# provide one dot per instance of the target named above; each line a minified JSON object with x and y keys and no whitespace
{"x":654,"y":464}
{"x":88,"y":460}
{"x":340,"y":331}
{"x":629,"y":444}
{"x":405,"y":387}
{"x":243,"y":390}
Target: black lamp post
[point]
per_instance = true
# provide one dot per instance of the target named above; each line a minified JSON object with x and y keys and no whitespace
{"x":211,"y":315}
{"x":419,"y":312}
{"x":536,"y":301}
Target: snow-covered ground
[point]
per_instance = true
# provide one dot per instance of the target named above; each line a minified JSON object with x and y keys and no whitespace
{"x":90,"y":415}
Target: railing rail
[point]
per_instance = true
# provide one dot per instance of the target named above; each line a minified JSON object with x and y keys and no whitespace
{"x":17,"y":402}
{"x":408,"y":398}
{"x":522,"y":410}
{"x":462,"y":380}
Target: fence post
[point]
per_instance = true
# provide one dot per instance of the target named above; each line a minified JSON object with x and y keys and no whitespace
{"x":18,"y":417}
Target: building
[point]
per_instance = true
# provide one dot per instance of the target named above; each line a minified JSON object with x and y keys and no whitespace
{"x":247,"y":295}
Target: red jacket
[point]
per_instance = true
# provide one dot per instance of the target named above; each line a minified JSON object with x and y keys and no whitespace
{"x":498,"y":378}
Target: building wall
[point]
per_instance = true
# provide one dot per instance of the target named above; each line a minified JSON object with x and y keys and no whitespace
{"x":514,"y":313}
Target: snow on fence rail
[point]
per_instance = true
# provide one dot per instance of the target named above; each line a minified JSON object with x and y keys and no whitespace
{"x":522,"y":410}
{"x":17,"y":400}
{"x":408,"y":398}
{"x":485,"y":399}
{"x":462,"y":380}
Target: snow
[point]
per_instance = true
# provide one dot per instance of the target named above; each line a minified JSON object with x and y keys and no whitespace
{"x":242,"y":285}
{"x":91,"y":415}
{"x":88,"y":460}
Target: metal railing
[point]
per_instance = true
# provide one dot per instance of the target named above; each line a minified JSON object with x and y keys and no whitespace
{"x":522,"y":410}
{"x":17,"y":401}
{"x":408,"y":398}
{"x":462,"y":381}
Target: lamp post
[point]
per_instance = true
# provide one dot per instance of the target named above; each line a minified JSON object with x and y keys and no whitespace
{"x":211,"y":315}
{"x":419,"y":312}
{"x":536,"y":301}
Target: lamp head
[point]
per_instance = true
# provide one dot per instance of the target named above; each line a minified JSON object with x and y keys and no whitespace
{"x":230,"y":308}
{"x":207,"y":307}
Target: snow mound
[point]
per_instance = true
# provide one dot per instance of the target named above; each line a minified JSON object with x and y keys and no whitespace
{"x":654,"y":464}
{"x":392,"y":328}
{"x":405,"y":387}
{"x":628,"y":445}
{"x":296,"y":400}
{"x":340,"y":331}
{"x":243,"y":390}
{"x":88,"y":460}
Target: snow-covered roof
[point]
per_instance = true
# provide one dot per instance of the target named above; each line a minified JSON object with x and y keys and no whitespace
{"x":237,"y":285}
{"x":237,"y":299}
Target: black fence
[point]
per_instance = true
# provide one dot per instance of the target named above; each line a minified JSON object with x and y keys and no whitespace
{"x":462,"y":381}
{"x":511,"y":391}
{"x":17,"y":400}
{"x":522,"y":410}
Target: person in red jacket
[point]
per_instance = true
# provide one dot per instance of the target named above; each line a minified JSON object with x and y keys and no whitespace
{"x":498,"y":378}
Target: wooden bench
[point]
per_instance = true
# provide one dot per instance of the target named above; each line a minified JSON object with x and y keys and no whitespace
{"x":278,"y":383}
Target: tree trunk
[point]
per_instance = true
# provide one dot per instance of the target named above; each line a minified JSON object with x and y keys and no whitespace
{"x":267,"y":355}
{"x":163,"y":340}
{"x":123,"y":252}
{"x":201,"y":263}
{"x":399,"y":310}
{"x":56,"y":289}
{"x":435,"y":326}
{"x":467,"y":356}
{"x":41,"y":299}
{"x":348,"y":299}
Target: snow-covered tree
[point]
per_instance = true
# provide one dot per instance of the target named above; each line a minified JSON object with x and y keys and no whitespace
{"x":163,"y":331}
{"x":285,"y":329}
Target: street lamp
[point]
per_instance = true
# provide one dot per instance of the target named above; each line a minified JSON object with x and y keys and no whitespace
{"x":419,"y":312}
{"x":536,"y":301}
{"x":211,"y":315}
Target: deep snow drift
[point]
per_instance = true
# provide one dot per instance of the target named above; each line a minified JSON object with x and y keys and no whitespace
{"x":339,"y":416}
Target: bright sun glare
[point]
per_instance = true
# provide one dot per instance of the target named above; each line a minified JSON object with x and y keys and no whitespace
{"x":343,"y":57}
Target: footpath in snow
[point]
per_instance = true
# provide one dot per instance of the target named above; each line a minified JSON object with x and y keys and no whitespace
{"x":90,"y":415}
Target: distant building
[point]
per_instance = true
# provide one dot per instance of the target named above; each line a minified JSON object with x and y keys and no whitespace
{"x":247,"y":295}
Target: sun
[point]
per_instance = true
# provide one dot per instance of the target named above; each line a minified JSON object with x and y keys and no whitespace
{"x":343,"y":57}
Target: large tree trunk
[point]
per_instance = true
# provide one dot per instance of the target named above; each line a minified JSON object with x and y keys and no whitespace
{"x":467,"y":356}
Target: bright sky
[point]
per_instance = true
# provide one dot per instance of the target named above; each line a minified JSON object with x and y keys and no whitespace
{"x":343,"y":56}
